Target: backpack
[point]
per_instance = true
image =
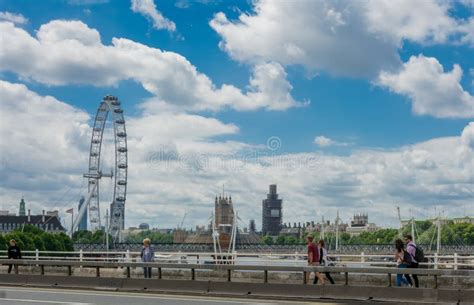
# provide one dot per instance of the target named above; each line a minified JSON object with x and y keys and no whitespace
{"x":407,"y":259}
{"x":419,"y":254}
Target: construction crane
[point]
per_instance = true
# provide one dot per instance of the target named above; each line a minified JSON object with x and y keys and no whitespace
{"x":180,"y":226}
{"x":400,"y":220}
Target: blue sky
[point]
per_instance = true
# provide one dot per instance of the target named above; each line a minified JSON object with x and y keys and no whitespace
{"x":354,"y":111}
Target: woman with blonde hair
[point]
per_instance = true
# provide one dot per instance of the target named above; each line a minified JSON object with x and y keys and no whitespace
{"x":147,"y":255}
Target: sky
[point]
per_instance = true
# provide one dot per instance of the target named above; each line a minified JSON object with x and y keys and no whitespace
{"x":349,"y":106}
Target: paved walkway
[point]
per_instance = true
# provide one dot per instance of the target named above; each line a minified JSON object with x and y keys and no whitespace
{"x":42,"y":296}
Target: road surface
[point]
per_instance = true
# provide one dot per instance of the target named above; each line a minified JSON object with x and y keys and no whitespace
{"x":50,"y":296}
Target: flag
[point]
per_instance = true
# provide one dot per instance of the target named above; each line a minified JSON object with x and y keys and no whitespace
{"x":70,"y":211}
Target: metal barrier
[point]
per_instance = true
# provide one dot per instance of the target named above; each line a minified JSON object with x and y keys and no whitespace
{"x":454,"y":261}
{"x":435,"y":273}
{"x":227,"y":281}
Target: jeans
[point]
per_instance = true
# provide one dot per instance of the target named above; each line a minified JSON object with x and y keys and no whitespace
{"x":415,"y":277}
{"x":11,"y":266}
{"x":328,"y":276}
{"x":147,"y":272}
{"x":400,"y":277}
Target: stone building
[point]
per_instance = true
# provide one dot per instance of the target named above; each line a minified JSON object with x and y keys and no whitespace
{"x":272,"y":213}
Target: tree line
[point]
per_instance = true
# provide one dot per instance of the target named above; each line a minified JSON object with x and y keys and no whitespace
{"x":30,"y":238}
{"x":451,"y":234}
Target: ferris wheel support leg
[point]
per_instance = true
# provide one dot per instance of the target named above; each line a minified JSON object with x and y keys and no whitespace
{"x":83,"y":209}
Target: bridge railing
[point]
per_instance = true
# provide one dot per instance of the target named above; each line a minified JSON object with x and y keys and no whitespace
{"x":230,"y":268}
{"x":435,"y":261}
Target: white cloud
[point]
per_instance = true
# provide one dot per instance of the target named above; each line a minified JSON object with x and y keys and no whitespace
{"x":69,"y":52}
{"x":15,"y":18}
{"x":148,"y":9}
{"x":467,"y":136}
{"x":42,"y":139}
{"x":320,"y":35}
{"x":399,"y":20}
{"x":431,"y":90}
{"x":324,"y":141}
{"x":177,"y":164}
{"x":348,"y":38}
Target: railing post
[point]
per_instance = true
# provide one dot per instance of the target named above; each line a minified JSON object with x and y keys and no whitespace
{"x":229,"y":275}
{"x":265,"y":276}
{"x":435,"y":286}
{"x":362,"y":257}
{"x":127,"y":255}
{"x":455,"y":261}
{"x":436,"y":260}
{"x":97,"y":271}
{"x":128,"y":271}
{"x":81,"y":258}
{"x":346,"y":278}
{"x":389,"y":280}
{"x":193,"y":274}
{"x":197,"y":259}
{"x":69,"y":270}
{"x":37,"y":255}
{"x":159,"y":273}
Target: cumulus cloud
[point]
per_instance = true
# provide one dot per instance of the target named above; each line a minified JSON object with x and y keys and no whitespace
{"x":11,"y":17}
{"x":324,"y":141}
{"x":69,"y":52}
{"x":349,"y":38}
{"x":177,"y":164}
{"x":148,"y":9}
{"x":320,"y":35}
{"x":398,"y":20}
{"x":42,"y":140}
{"x":431,"y":90}
{"x":355,"y":38}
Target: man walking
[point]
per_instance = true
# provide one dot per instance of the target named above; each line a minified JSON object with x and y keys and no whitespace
{"x":13,"y":253}
{"x":411,"y":249}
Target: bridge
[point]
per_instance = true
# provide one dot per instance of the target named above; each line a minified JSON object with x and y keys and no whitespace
{"x":196,"y":247}
{"x":223,"y":283}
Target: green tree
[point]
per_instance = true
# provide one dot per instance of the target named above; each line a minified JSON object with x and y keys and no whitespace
{"x":268,"y":240}
{"x":3,"y":242}
{"x":281,"y":240}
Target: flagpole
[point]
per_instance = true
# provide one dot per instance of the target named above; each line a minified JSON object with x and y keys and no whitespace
{"x":72,"y":222}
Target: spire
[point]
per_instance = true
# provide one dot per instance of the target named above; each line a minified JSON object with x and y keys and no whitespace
{"x":22,"y":207}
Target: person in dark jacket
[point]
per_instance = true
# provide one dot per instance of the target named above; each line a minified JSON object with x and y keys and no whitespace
{"x":323,"y":261}
{"x":147,"y":256}
{"x":13,"y":253}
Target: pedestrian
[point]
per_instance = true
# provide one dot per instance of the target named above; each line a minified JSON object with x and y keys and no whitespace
{"x":313,"y":258}
{"x":412,"y":248}
{"x":147,"y":255}
{"x":323,"y":261}
{"x":13,"y":253}
{"x":403,"y":260}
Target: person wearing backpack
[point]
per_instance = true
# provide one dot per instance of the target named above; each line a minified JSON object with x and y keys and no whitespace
{"x":403,"y":260}
{"x":417,"y":256}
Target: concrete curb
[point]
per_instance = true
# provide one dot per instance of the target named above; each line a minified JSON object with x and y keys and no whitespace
{"x":248,"y":290}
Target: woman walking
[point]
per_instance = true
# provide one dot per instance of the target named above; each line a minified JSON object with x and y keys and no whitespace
{"x":313,"y":258}
{"x":147,"y":255}
{"x":323,"y":261}
{"x":403,"y":261}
